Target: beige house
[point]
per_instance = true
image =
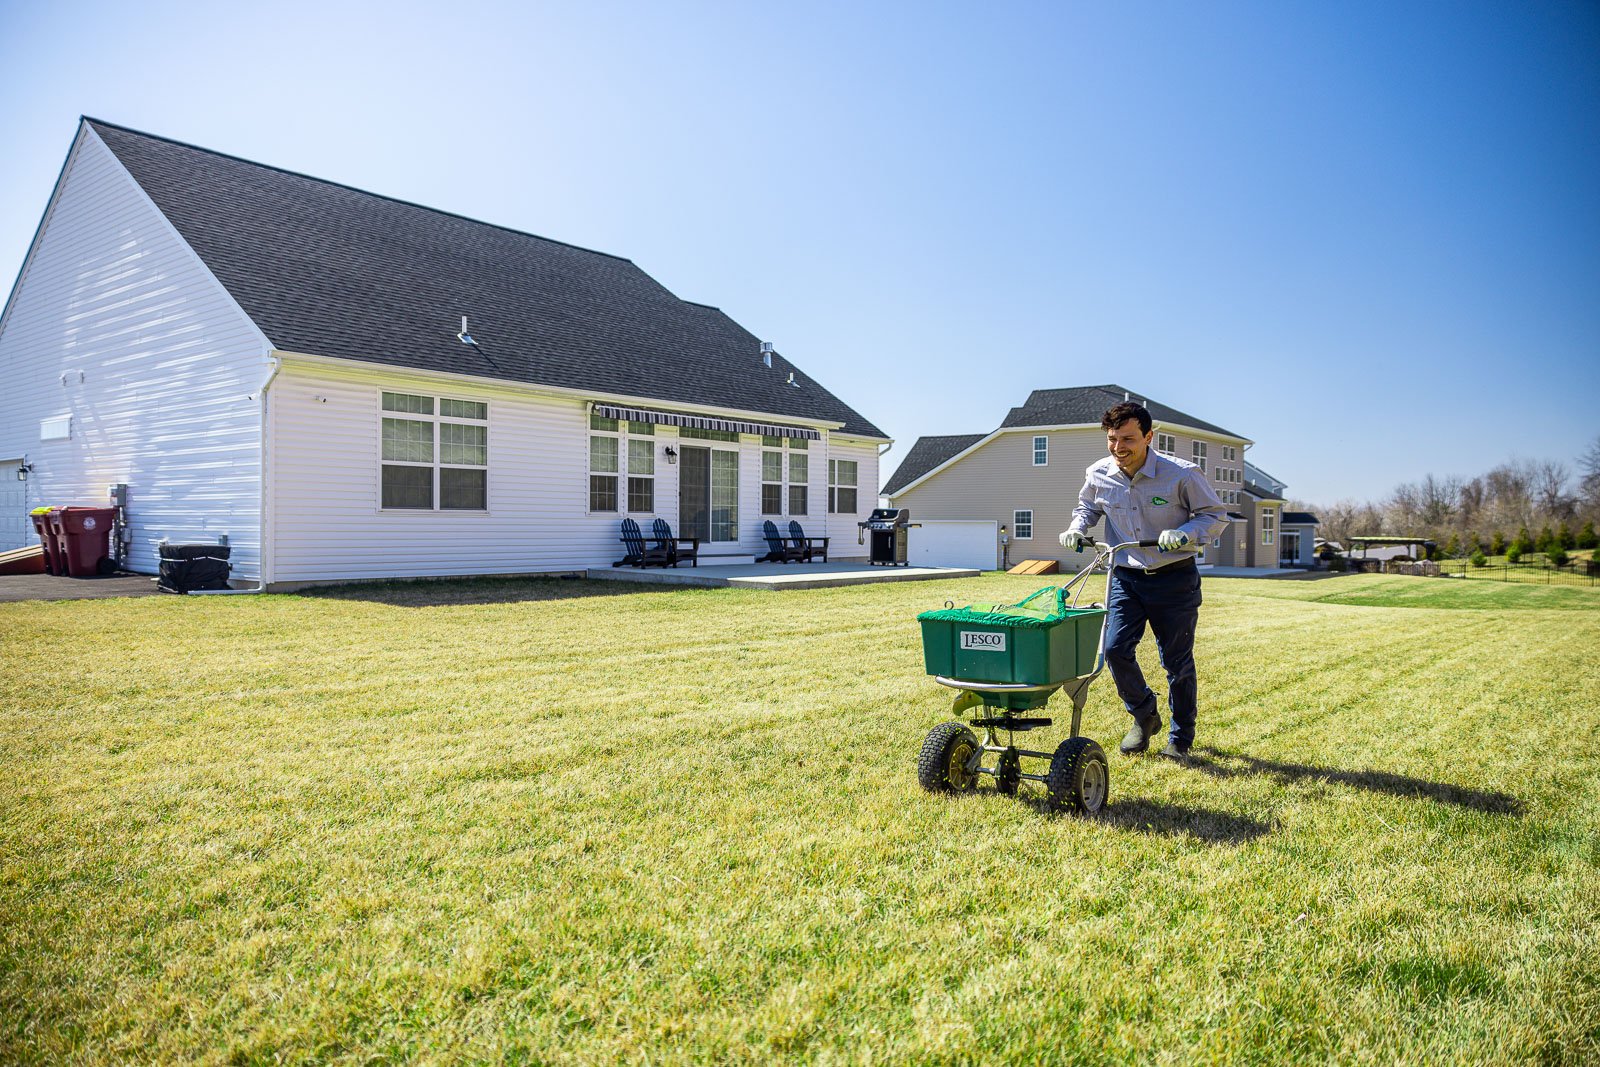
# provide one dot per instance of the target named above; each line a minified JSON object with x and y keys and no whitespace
{"x":1025,"y":476}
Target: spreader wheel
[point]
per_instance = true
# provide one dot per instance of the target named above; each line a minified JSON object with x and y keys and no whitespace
{"x":1079,"y":780}
{"x":1009,"y":774}
{"x":947,"y":763}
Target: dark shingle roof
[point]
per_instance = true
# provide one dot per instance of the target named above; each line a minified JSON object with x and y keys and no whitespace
{"x":1301,"y":518}
{"x":1086,"y":403}
{"x":927,"y":454}
{"x":329,"y":270}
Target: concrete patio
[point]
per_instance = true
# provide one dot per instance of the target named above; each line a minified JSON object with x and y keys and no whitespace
{"x":778,"y":575}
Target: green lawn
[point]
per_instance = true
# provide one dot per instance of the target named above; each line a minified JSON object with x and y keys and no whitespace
{"x":1533,"y":569}
{"x":551,"y":821}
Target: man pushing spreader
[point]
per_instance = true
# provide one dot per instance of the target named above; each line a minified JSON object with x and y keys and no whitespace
{"x":1142,"y":494}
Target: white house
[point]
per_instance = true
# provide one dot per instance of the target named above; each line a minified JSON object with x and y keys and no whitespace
{"x":348,"y":386}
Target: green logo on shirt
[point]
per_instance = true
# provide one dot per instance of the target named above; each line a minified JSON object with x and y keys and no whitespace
{"x":1158,"y":500}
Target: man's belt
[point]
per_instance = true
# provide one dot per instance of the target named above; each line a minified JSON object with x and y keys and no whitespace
{"x":1165,"y":568}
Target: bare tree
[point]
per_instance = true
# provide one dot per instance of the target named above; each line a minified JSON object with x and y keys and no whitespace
{"x":1550,"y":479}
{"x":1472,"y":501}
{"x":1589,"y":483}
{"x":1438,"y":499}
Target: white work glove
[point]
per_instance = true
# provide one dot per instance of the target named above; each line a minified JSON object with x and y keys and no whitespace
{"x":1076,"y":540}
{"x":1172,"y":540}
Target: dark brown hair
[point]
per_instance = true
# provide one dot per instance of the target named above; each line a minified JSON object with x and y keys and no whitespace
{"x":1120,"y":414}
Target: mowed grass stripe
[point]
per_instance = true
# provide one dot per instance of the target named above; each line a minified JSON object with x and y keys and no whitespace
{"x":684,"y":826}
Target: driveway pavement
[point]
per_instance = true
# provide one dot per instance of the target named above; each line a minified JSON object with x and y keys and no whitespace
{"x":15,"y":587}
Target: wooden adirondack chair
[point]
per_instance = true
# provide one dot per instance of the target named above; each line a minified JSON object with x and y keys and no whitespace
{"x":777,"y":551}
{"x":678,"y":548}
{"x":639,"y":554}
{"x":808,"y":547}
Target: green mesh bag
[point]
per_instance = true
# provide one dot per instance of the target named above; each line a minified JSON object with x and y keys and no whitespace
{"x":1021,"y":614}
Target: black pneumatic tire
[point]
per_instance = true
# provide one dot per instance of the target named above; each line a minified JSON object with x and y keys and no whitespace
{"x":1009,"y":773}
{"x":1080,"y":779}
{"x":946,"y":754}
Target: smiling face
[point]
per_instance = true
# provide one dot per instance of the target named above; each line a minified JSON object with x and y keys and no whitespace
{"x":1129,"y":445}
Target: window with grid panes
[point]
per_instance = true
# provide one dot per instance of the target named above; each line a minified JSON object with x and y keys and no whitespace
{"x":842,"y":486}
{"x":1041,"y":451}
{"x":799,"y":477}
{"x":1200,"y":454}
{"x":435,"y":453}
{"x":771,"y":478}
{"x":1022,"y":525}
{"x":1166,"y":444}
{"x":622,"y":465}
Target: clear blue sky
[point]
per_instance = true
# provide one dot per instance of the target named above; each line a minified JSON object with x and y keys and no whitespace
{"x":1366,"y":235}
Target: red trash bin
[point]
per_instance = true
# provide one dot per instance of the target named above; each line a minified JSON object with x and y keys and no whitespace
{"x":47,"y":538}
{"x":86,"y":539}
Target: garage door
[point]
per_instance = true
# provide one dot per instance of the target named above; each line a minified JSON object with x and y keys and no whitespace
{"x":15,"y":529}
{"x":954,"y":543}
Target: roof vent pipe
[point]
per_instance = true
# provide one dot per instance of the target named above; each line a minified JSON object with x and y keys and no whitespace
{"x":464,"y":337}
{"x":766,"y":352}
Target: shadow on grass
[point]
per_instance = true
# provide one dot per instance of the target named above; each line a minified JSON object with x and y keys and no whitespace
{"x":458,"y":592}
{"x":1398,"y":785}
{"x":1177,"y":820}
{"x":1169,"y":820}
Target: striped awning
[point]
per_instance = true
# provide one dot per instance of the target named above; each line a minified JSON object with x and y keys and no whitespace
{"x":702,"y":422}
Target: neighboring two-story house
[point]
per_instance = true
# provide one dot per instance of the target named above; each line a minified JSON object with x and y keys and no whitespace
{"x":1025,"y":475}
{"x":350,"y":386}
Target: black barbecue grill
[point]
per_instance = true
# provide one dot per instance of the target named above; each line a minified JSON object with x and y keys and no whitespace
{"x":885,"y":529}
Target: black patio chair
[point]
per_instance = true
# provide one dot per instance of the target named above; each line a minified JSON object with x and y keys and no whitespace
{"x":678,"y":548}
{"x":808,"y":547}
{"x":639,"y":554}
{"x":777,"y":551}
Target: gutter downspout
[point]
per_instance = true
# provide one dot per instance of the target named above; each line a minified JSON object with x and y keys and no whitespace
{"x":261,"y":580}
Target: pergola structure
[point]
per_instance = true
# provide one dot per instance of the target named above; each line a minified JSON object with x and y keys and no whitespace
{"x":1365,"y":543}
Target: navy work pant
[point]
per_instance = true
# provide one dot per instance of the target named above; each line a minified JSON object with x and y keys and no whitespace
{"x":1170,"y":601}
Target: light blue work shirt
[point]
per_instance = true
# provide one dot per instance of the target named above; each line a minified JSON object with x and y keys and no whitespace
{"x":1164,"y":494}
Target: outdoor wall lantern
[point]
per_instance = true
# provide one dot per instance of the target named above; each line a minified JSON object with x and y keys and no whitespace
{"x":23,"y":470}
{"x":672,"y":454}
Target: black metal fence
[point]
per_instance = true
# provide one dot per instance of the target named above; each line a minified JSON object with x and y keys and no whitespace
{"x":1536,"y":572}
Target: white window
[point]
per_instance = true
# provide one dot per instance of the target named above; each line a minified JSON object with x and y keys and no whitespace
{"x":799,"y":476}
{"x":1200,"y":454}
{"x":1041,"y":451}
{"x":1022,"y":524}
{"x":842,"y":486}
{"x":1166,"y":444}
{"x":774,"y":492}
{"x":1268,"y":525}
{"x":621,"y":450}
{"x":435,"y":453}
{"x":772,"y":476}
{"x":1229,"y":453}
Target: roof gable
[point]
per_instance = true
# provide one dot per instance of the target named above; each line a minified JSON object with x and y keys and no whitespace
{"x":329,"y":270}
{"x":925,"y":455}
{"x":1085,"y":404}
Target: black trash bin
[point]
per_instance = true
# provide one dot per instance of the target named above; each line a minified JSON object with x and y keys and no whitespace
{"x":189,"y":567}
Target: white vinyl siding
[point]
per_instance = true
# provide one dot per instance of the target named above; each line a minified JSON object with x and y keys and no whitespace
{"x":325,"y":491}
{"x":115,"y":324}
